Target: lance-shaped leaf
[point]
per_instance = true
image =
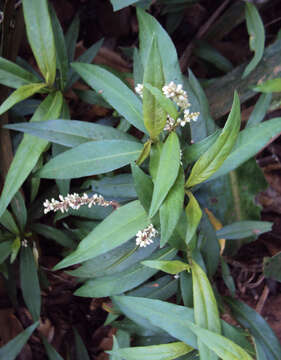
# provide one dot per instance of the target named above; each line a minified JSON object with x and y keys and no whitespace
{"x":256,"y":36}
{"x":41,"y":38}
{"x":114,"y":91}
{"x":143,"y":185}
{"x":14,"y":76}
{"x":171,"y":209}
{"x":12,"y":349}
{"x":50,"y":350}
{"x":244,"y":229}
{"x":269,"y":86}
{"x":167,"y":172}
{"x":115,"y":230}
{"x":125,"y":280}
{"x":29,"y":150}
{"x":171,"y":267}
{"x":206,"y":313}
{"x":81,"y":350}
{"x":154,"y":116}
{"x":155,"y":352}
{"x":70,"y":133}
{"x":9,"y":223}
{"x":20,"y":94}
{"x":212,"y":160}
{"x":30,"y":282}
{"x":91,"y":158}
{"x":260,"y":109}
{"x":193,"y":214}
{"x":272,"y":267}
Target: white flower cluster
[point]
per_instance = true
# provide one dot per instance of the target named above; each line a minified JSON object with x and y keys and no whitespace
{"x":144,"y":237}
{"x":179,"y":96}
{"x":74,"y":201}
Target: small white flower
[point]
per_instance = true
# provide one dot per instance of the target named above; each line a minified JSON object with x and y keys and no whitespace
{"x":24,"y":243}
{"x":144,"y":237}
{"x":139,"y":89}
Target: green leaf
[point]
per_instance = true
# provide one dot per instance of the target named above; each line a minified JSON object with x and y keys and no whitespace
{"x":260,"y":109}
{"x":168,"y":105}
{"x":12,"y":349}
{"x":193,"y":214}
{"x":71,"y":37}
{"x":20,"y":94}
{"x":155,"y":352}
{"x":13,"y":75}
{"x":223,"y":347}
{"x":154,"y":116}
{"x":29,"y":150}
{"x":114,"y":91}
{"x":154,"y":160}
{"x":171,"y":267}
{"x":50,"y":350}
{"x":272,"y":267}
{"x":126,"y":280}
{"x":257,"y":326}
{"x":91,"y":158}
{"x":40,"y":36}
{"x":115,"y":230}
{"x":54,"y":234}
{"x":60,"y":46}
{"x":118,"y":4}
{"x":212,"y":160}
{"x":9,"y":223}
{"x":16,"y":245}
{"x":71,"y":133}
{"x":269,"y":86}
{"x":19,"y":210}
{"x":171,"y":208}
{"x":145,"y":152}
{"x":256,"y":36}
{"x":5,"y":250}
{"x":206,"y":312}
{"x":167,"y":172}
{"x":227,"y":278}
{"x":29,"y":282}
{"x":244,"y":229}
{"x":81,"y":351}
{"x":143,"y":186}
{"x":193,"y":152}
{"x":250,"y":141}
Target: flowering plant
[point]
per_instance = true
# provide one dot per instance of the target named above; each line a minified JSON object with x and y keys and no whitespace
{"x":159,"y":186}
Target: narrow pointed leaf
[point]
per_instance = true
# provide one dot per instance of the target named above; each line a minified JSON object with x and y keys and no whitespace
{"x":269,"y":86}
{"x":81,"y":350}
{"x":171,"y":267}
{"x":115,"y":230}
{"x":5,"y":250}
{"x":40,"y":35}
{"x":9,"y":223}
{"x":171,"y":208}
{"x":50,"y":350}
{"x":244,"y":229}
{"x":206,"y":313}
{"x":71,"y":37}
{"x":154,"y":116}
{"x":114,"y":91}
{"x":12,"y":349}
{"x":13,"y":75}
{"x":212,"y":160}
{"x":20,"y":94}
{"x":193,"y":214}
{"x":155,"y":352}
{"x":91,"y":158}
{"x":30,"y":283}
{"x":143,"y":185}
{"x":29,"y":150}
{"x":256,"y":36}
{"x":260,"y":109}
{"x":167,"y":172}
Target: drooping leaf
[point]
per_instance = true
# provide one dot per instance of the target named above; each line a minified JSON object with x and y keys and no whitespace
{"x":29,"y":150}
{"x":9,"y":223}
{"x":260,"y":109}
{"x":206,"y":312}
{"x":155,"y":352}
{"x":29,"y":282}
{"x":41,"y":38}
{"x":115,"y":230}
{"x":213,"y":159}
{"x":5,"y":250}
{"x":70,"y":133}
{"x":54,"y":234}
{"x":13,"y":75}
{"x":20,"y":94}
{"x":50,"y":350}
{"x":91,"y":158}
{"x":171,"y":208}
{"x":12,"y":349}
{"x":257,"y":326}
{"x":167,"y":172}
{"x":272,"y":267}
{"x":256,"y":36}
{"x":244,"y":229}
{"x":114,"y":91}
{"x":154,"y":116}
